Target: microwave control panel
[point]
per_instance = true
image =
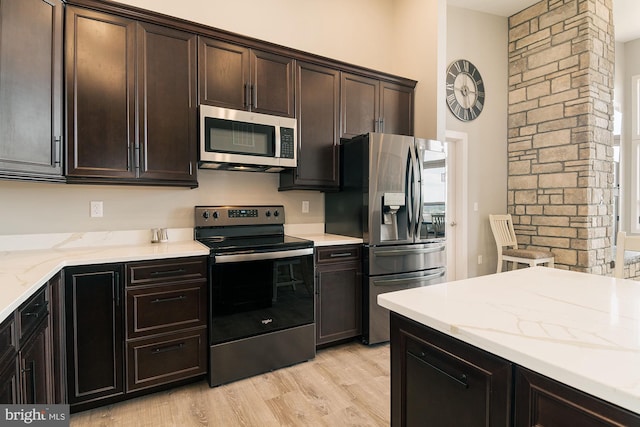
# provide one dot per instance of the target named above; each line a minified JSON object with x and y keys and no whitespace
{"x":287,"y":144}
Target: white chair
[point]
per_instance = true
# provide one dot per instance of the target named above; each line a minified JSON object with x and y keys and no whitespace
{"x":624,"y":243}
{"x":505,"y":235}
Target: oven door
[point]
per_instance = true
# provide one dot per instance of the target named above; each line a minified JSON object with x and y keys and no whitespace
{"x":256,"y":293}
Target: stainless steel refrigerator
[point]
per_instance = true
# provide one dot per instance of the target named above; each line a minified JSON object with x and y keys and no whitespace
{"x":393,"y":196}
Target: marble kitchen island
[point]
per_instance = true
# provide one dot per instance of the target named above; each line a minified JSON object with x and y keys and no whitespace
{"x":577,"y":329}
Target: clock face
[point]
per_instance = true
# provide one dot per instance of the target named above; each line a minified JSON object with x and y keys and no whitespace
{"x":465,"y":90}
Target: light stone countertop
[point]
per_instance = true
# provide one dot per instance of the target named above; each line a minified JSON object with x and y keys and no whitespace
{"x":316,"y":233}
{"x":29,"y":261}
{"x":580,"y":329}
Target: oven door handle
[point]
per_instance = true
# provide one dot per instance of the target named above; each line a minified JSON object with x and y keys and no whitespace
{"x":257,"y":256}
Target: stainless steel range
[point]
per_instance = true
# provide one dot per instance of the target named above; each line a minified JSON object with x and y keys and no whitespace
{"x":261,"y":291}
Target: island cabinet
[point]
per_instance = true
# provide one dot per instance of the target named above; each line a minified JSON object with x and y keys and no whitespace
{"x":318,"y":113}
{"x":338,"y":294}
{"x":31,"y":89}
{"x":439,"y":381}
{"x":26,"y":358}
{"x":369,"y":104}
{"x":543,"y":402}
{"x":131,"y":101}
{"x":162,"y":342}
{"x":242,"y":78}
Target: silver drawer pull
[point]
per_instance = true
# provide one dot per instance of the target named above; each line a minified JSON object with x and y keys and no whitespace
{"x":340,"y":255}
{"x":168,"y":272}
{"x":168,"y":348}
{"x":178,"y":298}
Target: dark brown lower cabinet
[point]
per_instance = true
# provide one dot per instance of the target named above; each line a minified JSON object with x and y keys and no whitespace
{"x":162,"y":341}
{"x":94,"y":331}
{"x":9,"y":384}
{"x":437,"y":380}
{"x":339,"y":294}
{"x":35,"y":367}
{"x":543,"y":402}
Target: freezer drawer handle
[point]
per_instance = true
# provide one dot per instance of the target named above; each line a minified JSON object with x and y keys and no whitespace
{"x":410,"y":251}
{"x":394,"y":282}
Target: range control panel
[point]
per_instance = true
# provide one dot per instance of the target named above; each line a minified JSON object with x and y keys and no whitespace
{"x":213,"y":216}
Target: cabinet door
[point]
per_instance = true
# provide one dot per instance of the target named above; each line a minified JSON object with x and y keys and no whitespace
{"x":9,"y":383}
{"x":95,"y":342}
{"x":339,"y":307}
{"x":35,"y":367}
{"x":223,"y":74}
{"x":543,"y":402}
{"x":272,"y":87}
{"x":100,"y":77}
{"x":168,"y":123}
{"x":396,"y":109}
{"x":437,"y":380}
{"x":318,"y":92}
{"x":360,"y":105}
{"x":30,"y":88}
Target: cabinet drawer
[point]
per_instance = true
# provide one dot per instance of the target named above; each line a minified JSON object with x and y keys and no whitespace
{"x":170,"y":270}
{"x":341,"y":253}
{"x":31,"y":313}
{"x":158,"y":309}
{"x":7,"y":339}
{"x":160,"y":360}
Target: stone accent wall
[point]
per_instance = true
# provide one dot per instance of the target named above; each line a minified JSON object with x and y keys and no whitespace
{"x":561,"y":72}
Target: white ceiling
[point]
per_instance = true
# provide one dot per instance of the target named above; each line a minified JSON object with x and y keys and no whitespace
{"x":625,"y":13}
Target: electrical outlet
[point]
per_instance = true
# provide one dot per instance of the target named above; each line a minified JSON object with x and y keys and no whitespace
{"x":479,"y":259}
{"x":97,"y":209}
{"x":475,"y":208}
{"x":305,"y":206}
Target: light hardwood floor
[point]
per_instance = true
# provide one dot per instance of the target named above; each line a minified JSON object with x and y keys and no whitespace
{"x":347,"y":385}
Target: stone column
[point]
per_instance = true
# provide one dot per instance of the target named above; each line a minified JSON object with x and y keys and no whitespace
{"x":561,"y":73}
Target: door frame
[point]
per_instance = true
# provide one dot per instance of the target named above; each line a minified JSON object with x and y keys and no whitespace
{"x":457,"y":204}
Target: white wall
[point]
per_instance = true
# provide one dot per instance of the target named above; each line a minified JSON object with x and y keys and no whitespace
{"x":482,"y":39}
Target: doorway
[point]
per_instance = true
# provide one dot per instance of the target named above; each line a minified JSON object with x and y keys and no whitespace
{"x":456,"y":216}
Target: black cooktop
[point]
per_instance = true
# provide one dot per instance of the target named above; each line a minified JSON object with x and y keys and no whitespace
{"x":225,"y":244}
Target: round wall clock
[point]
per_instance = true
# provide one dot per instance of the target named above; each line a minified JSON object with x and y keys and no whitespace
{"x":465,"y":90}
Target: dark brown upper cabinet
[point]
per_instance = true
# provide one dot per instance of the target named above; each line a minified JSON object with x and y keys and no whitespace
{"x":131,"y":101}
{"x":372,"y":105}
{"x":237,"y":77}
{"x":31,"y":89}
{"x":318,"y":112}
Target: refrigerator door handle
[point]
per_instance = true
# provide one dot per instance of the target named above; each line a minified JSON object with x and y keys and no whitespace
{"x":409,"y":189}
{"x":418,"y":184}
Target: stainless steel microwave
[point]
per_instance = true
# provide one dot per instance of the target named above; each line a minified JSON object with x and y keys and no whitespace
{"x":243,"y":140}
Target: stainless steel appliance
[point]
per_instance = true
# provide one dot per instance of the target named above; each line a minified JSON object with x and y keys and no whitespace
{"x":392,"y":196}
{"x":247,"y":141}
{"x":261,"y":291}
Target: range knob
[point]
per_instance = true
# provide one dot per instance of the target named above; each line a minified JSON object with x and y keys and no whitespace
{"x":276,"y":213}
{"x":215,"y":215}
{"x":268,"y":214}
{"x":206,"y":214}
